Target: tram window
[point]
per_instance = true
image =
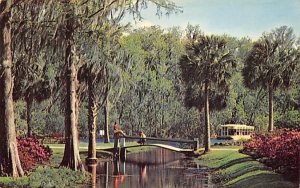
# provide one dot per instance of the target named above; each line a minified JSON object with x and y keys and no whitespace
{"x":231,"y":132}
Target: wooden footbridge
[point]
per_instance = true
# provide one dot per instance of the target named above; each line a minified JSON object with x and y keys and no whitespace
{"x":194,"y":144}
{"x":166,"y":143}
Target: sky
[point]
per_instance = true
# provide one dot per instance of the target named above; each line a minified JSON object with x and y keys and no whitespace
{"x":239,"y":18}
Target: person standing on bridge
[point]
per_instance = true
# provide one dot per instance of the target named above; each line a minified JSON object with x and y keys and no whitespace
{"x":117,"y":134}
{"x":142,"y":138}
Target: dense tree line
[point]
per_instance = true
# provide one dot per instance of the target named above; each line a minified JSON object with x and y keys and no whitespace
{"x":71,"y":68}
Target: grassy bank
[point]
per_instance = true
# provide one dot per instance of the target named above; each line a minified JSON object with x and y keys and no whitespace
{"x":233,"y":169}
{"x":50,"y":175}
{"x":45,"y":176}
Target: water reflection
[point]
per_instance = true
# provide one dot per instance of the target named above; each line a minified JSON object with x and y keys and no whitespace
{"x":93,"y":170}
{"x":156,"y":169}
{"x":181,"y":174}
{"x":118,"y":177}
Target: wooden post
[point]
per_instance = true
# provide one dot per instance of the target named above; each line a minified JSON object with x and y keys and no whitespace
{"x":116,"y":148}
{"x":122,"y":150}
{"x":196,"y":143}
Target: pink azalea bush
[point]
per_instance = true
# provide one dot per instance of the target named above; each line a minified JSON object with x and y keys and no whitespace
{"x":280,"y":150}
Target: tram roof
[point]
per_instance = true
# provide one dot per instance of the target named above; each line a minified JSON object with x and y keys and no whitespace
{"x":237,"y":126}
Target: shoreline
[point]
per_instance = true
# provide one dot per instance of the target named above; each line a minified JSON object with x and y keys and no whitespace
{"x":233,"y":169}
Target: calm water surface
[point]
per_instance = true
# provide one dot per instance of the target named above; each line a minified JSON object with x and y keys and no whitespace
{"x":182,"y":173}
{"x":177,"y":174}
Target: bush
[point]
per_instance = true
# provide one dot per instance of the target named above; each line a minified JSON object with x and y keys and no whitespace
{"x":290,"y":119}
{"x":57,"y":177}
{"x":280,"y":150}
{"x":50,"y":177}
{"x":32,"y":153}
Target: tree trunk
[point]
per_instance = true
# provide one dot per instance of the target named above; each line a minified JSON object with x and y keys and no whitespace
{"x":92,"y":117}
{"x":106,"y":121}
{"x":28,"y":116}
{"x":71,"y":158}
{"x":207,"y":124}
{"x":155,"y":119}
{"x":162,"y":115}
{"x":121,"y":115}
{"x":271,"y":126}
{"x":10,"y":164}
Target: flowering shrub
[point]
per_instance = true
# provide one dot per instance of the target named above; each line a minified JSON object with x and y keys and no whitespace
{"x":31,"y":153}
{"x":280,"y":150}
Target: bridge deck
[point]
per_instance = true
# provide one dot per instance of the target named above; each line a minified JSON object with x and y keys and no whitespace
{"x":172,"y":148}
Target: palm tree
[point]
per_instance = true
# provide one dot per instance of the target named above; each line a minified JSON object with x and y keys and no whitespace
{"x":271,"y":64}
{"x":206,"y":70}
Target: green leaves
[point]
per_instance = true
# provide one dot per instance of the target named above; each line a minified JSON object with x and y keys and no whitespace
{"x":207,"y":60}
{"x":272,"y":60}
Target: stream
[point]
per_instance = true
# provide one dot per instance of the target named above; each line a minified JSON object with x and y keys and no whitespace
{"x":144,"y":170}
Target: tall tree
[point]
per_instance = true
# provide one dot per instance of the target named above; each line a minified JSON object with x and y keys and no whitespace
{"x":86,"y":15}
{"x":150,"y":89}
{"x":206,"y":70}
{"x":9,"y":159}
{"x":71,"y":156}
{"x":32,"y":82}
{"x":271,"y":64}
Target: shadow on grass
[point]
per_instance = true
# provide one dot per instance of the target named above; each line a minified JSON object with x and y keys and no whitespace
{"x":235,"y":171}
{"x":262,"y":180}
{"x":101,"y":154}
{"x":234,"y":162}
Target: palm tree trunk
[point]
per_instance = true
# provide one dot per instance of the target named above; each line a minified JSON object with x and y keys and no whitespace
{"x":92,"y":117}
{"x":10,"y":164}
{"x":71,"y":158}
{"x":271,"y":126}
{"x":106,"y":121}
{"x":207,"y":124}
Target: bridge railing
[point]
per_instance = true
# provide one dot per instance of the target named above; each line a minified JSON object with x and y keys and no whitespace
{"x":194,"y":143}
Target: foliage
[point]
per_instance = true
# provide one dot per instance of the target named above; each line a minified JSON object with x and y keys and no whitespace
{"x":279,"y":150}
{"x":207,"y":61}
{"x":206,"y":70}
{"x":19,"y":110}
{"x":290,"y":119}
{"x":272,"y":63}
{"x":152,"y":98}
{"x":32,"y":153}
{"x":61,"y":177}
{"x":50,"y":177}
{"x":272,"y":60}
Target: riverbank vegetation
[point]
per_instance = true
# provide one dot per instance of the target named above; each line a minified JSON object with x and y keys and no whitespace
{"x":279,"y":150}
{"x":234,"y":169}
{"x":49,"y":174}
{"x":45,"y":176}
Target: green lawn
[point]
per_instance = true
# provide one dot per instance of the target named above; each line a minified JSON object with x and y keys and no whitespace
{"x":83,"y":146}
{"x":226,"y":147}
{"x":234,"y":169}
{"x":58,"y":151}
{"x":51,"y":175}
{"x":140,"y":149}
